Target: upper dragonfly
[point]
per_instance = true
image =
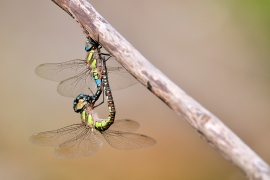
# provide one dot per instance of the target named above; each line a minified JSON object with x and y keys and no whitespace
{"x":77,"y":76}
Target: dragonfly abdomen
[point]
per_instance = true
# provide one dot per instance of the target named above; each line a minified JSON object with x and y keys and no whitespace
{"x":105,"y":124}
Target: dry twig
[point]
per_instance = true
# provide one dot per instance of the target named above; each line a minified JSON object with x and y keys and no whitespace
{"x":210,"y":127}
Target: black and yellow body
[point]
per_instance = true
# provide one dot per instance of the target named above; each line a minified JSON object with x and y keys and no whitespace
{"x":84,"y":104}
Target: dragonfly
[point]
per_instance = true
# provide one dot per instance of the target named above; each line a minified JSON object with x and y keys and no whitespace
{"x":85,"y":138}
{"x":76,"y":76}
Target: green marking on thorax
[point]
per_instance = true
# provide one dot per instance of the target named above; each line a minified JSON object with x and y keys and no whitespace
{"x":83,"y":115}
{"x":90,"y":120}
{"x":89,"y":58}
{"x":87,"y":118}
{"x":94,"y":63}
{"x":90,"y":55}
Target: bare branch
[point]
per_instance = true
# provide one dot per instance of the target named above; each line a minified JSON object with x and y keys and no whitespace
{"x":210,"y":127}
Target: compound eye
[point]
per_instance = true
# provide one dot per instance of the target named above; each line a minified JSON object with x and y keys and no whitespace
{"x":80,"y":104}
{"x":81,"y":101}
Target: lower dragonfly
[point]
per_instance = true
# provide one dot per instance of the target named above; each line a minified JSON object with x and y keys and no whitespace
{"x":78,"y":76}
{"x":84,"y":139}
{"x":81,"y":140}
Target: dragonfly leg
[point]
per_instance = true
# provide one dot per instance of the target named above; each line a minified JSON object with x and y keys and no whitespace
{"x":100,"y":102}
{"x":108,"y":58}
{"x":103,"y":58}
{"x":105,"y":54}
{"x":91,"y":91}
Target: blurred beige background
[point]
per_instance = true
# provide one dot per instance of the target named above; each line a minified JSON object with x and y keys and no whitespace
{"x":216,"y":51}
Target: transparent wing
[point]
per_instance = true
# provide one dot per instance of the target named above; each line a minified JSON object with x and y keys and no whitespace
{"x":75,"y":78}
{"x":78,"y":84}
{"x":120,"y":78}
{"x":56,"y":137}
{"x":84,"y":144}
{"x":126,"y":140}
{"x":126,"y":125}
{"x":61,"y":71}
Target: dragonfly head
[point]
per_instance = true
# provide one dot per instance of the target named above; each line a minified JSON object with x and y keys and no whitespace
{"x":81,"y":101}
{"x":90,"y":44}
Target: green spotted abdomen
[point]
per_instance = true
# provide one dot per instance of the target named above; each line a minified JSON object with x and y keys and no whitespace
{"x":103,"y":125}
{"x":100,"y":125}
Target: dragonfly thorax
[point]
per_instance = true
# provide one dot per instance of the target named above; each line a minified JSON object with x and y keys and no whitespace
{"x":89,"y":117}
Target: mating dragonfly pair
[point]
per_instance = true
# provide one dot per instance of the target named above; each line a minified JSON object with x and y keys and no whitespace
{"x":80,"y":77}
